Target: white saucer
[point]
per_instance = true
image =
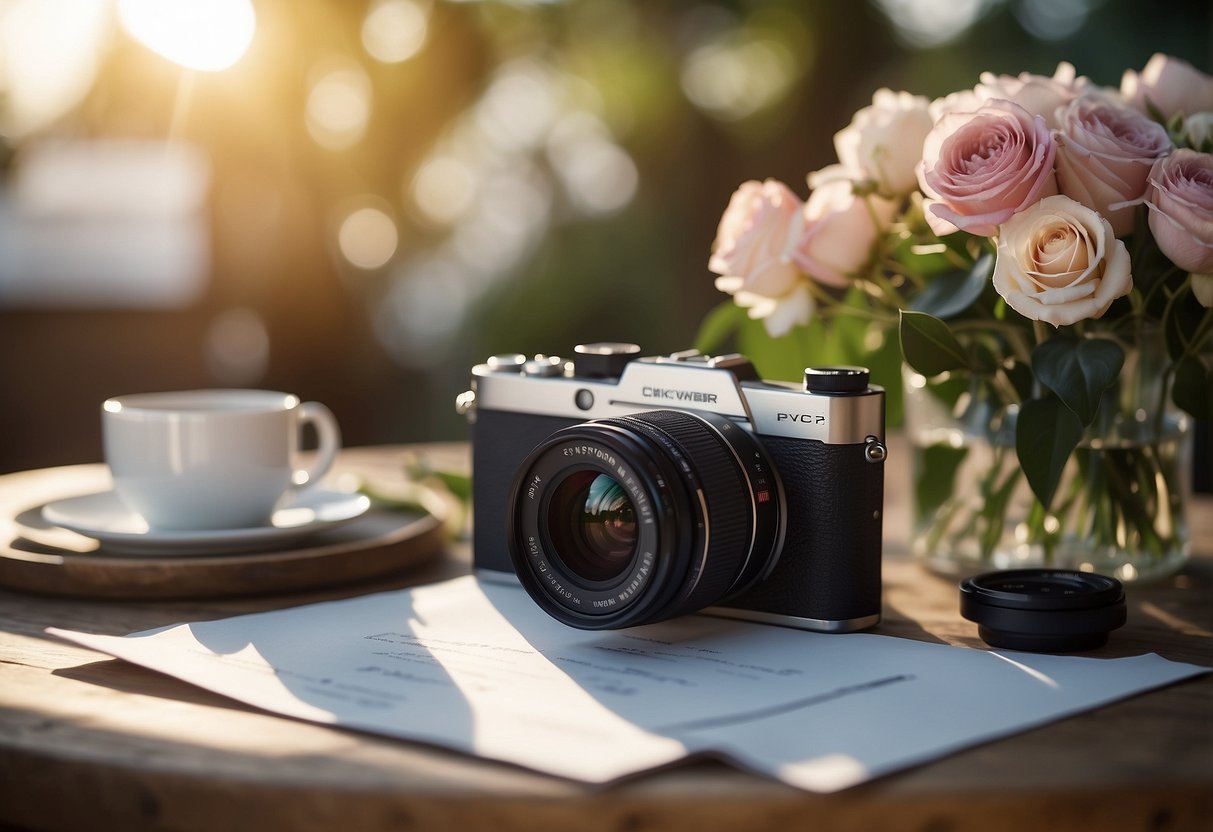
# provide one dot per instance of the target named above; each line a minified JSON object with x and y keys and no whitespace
{"x":102,"y":516}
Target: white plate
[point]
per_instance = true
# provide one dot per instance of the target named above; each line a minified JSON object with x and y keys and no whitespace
{"x":102,"y":516}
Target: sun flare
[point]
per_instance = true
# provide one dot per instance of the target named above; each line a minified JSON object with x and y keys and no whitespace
{"x":208,"y":35}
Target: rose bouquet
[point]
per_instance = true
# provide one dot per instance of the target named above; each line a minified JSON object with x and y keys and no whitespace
{"x":1038,"y":251}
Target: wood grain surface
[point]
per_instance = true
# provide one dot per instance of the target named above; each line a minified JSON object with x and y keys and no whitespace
{"x":92,"y":743}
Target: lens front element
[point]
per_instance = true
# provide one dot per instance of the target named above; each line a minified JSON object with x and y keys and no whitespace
{"x":631,"y":520}
{"x":591,"y":523}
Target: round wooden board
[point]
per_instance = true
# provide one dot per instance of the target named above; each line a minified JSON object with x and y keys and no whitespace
{"x":59,"y":562}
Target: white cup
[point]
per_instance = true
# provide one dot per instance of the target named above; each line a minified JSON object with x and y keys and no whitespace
{"x":212,"y":459}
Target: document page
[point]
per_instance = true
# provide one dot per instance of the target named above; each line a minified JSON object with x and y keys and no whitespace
{"x":478,"y":668}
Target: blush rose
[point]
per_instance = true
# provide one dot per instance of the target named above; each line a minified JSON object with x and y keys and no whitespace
{"x":1169,"y":85}
{"x":1059,"y":262}
{"x":1180,"y":200}
{"x":1104,"y":153}
{"x":979,"y":169}
{"x":756,"y":237}
{"x":1035,"y":93}
{"x":840,"y":229}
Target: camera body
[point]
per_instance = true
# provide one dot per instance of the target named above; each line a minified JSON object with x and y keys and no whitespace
{"x":809,"y":459}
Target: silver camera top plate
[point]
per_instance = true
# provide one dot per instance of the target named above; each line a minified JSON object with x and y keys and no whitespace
{"x":683,"y":381}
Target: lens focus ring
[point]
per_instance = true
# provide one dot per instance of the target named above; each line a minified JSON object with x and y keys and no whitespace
{"x":728,"y":517}
{"x":708,"y":510}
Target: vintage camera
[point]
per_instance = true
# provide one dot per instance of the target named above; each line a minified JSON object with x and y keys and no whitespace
{"x":622,"y":490}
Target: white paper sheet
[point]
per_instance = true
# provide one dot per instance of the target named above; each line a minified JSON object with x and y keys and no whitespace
{"x":479,"y":668}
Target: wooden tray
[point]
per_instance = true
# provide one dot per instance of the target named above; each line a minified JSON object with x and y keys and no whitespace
{"x":59,"y":562}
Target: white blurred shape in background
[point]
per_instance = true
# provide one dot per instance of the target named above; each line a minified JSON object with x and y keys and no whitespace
{"x":105,"y":224}
{"x":49,"y":54}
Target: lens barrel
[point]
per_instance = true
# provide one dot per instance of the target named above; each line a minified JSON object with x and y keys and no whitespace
{"x":631,"y":520}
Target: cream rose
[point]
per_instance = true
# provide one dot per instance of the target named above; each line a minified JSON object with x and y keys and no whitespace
{"x":840,"y":230}
{"x":961,"y":101}
{"x":1170,"y":85}
{"x":756,"y":237}
{"x":883,"y":142}
{"x":778,"y":314}
{"x":1104,"y":153}
{"x":1181,"y":209}
{"x":1198,"y":131}
{"x":1059,"y":262}
{"x":978,"y":169}
{"x":1202,"y":289}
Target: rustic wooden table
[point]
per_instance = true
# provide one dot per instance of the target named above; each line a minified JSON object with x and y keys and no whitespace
{"x":92,"y":743}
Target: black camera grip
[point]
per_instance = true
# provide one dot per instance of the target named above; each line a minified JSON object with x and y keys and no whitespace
{"x":830,"y":566}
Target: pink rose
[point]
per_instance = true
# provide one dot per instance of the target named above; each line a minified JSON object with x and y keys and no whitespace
{"x":1181,"y":209}
{"x":1037,"y":94}
{"x":883,"y":142}
{"x":1104,"y":153}
{"x":1170,"y":85}
{"x":979,"y":169}
{"x":840,"y":230}
{"x":756,"y":237}
{"x":1059,"y":262}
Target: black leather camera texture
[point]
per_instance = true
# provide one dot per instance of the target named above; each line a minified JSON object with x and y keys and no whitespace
{"x":830,"y":566}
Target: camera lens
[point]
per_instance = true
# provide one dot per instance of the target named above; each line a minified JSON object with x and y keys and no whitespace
{"x":631,"y":520}
{"x":592,"y":524}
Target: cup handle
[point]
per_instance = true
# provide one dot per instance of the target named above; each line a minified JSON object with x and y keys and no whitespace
{"x":329,"y":436}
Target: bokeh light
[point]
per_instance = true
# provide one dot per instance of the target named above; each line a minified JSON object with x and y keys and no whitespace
{"x":208,"y":35}
{"x":238,"y":347}
{"x":339,"y":107}
{"x":736,"y":80}
{"x":598,"y":175}
{"x":394,"y":30}
{"x":367,"y":238}
{"x":49,"y":52}
{"x":443,"y":189}
{"x":928,"y":23}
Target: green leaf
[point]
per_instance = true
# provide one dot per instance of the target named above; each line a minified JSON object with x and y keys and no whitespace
{"x":719,"y":324}
{"x":1193,"y":386}
{"x":1046,"y":433}
{"x":947,"y":295}
{"x":1078,"y":371}
{"x":928,"y":346}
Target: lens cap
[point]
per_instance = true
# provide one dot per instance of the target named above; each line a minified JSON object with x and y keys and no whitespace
{"x":1043,"y":610}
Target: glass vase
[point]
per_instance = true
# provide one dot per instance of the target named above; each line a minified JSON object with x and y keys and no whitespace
{"x":1119,"y":508}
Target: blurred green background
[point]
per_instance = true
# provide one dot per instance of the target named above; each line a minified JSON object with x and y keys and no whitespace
{"x":396,"y":189}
